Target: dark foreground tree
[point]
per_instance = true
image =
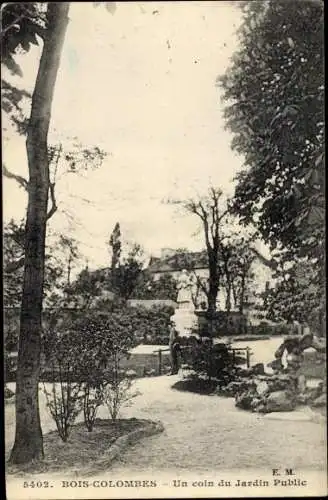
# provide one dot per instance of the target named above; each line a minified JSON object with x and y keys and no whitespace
{"x":274,"y":96}
{"x":28,"y":438}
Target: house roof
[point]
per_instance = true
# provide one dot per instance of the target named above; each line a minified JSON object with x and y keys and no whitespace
{"x":178,"y":262}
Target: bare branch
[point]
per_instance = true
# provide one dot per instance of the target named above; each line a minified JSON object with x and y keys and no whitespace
{"x":39,"y":31}
{"x":193,"y":207}
{"x":200,"y":284}
{"x":53,"y":200}
{"x":226,"y":212}
{"x":271,"y":263}
{"x":13,"y":24}
{"x":18,"y":178}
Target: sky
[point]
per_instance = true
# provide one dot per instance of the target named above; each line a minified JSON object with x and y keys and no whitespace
{"x":140,"y":84}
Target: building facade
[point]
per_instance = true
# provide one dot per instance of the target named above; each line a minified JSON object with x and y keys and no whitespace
{"x":190,"y":269}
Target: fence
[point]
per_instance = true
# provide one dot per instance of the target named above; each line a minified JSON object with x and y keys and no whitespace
{"x":241,"y":351}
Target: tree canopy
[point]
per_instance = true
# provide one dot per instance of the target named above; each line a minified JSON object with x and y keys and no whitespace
{"x":274,"y":107}
{"x":274,"y":95}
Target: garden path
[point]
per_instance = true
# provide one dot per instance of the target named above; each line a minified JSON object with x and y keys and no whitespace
{"x":207,"y":434}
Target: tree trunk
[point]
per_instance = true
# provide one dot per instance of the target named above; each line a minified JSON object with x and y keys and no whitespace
{"x":228,"y":299}
{"x":241,"y":304}
{"x":211,"y":307}
{"x":28,"y":438}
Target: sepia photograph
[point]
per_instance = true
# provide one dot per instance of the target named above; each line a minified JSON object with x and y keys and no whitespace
{"x":164,"y":249}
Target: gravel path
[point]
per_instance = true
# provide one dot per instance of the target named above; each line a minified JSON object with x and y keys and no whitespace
{"x":207,"y":434}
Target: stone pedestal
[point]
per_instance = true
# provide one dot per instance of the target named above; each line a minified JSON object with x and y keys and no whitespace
{"x":184,"y":320}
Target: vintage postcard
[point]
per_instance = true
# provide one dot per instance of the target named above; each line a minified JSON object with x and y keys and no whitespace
{"x":164,"y":249}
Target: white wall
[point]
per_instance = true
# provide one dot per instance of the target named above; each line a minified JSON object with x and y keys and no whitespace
{"x":262,"y":275}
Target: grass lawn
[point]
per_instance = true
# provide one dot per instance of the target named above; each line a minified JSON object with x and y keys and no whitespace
{"x":84,"y":452}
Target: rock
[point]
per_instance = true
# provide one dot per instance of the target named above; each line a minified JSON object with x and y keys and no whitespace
{"x":280,"y":401}
{"x":320,"y":401}
{"x":245,"y":399}
{"x":276,"y":365}
{"x":314,"y":392}
{"x":151,"y":372}
{"x":281,"y":382}
{"x":261,"y":408}
{"x":245,"y":372}
{"x":301,"y":383}
{"x":303,"y":399}
{"x":262,"y":387}
{"x":231,"y":389}
{"x":255,"y":403}
{"x":258,"y":369}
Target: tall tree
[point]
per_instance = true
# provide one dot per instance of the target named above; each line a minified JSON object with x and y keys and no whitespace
{"x":296,"y":296}
{"x":274,"y":93}
{"x":128,"y":274}
{"x":212,"y":213}
{"x":28,"y":443}
{"x":115,"y":245}
{"x":274,"y":97}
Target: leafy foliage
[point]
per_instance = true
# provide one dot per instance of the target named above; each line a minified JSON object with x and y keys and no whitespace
{"x":55,"y":266}
{"x":21,"y":23}
{"x":149,"y":288}
{"x":118,"y":393}
{"x":297,"y":296}
{"x":208,"y":360}
{"x":236,"y":259}
{"x":93,"y":397}
{"x":274,"y":93}
{"x":126,"y":276}
{"x":115,"y":245}
{"x":64,"y":403}
{"x":87,"y":349}
{"x":13,"y":251}
{"x":152,"y":326}
{"x":12,"y":101}
{"x":125,"y":273}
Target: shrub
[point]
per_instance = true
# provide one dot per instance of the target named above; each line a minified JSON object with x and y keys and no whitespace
{"x":152,"y":326}
{"x":64,"y":403}
{"x":92,"y":399}
{"x":90,"y":347}
{"x":116,"y":394}
{"x":210,"y":361}
{"x":265,"y":329}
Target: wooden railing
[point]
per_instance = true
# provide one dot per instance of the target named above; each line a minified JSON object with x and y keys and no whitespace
{"x":160,"y":358}
{"x":235,"y":351}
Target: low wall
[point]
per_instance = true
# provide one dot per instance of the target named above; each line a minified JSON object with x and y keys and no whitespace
{"x":141,"y":362}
